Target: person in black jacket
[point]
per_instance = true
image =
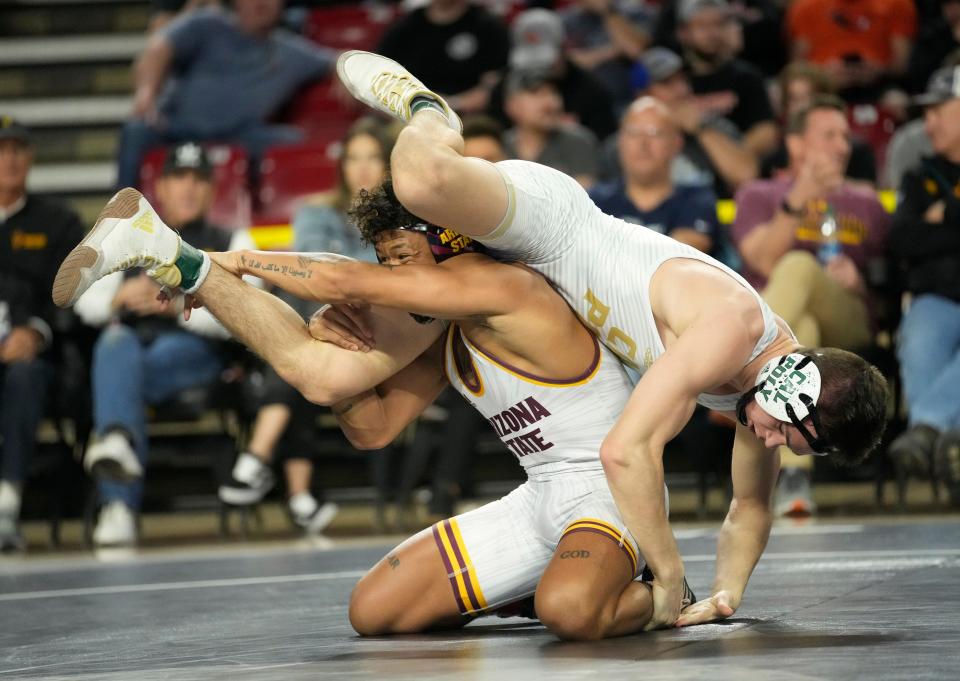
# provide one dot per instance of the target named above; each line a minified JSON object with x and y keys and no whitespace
{"x":35,"y":235}
{"x":926,"y":241}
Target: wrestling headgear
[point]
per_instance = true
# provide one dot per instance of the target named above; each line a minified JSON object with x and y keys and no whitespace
{"x":445,"y":243}
{"x":788,"y":389}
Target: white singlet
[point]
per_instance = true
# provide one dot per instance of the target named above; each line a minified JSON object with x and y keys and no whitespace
{"x":496,"y":554}
{"x":601,"y":265}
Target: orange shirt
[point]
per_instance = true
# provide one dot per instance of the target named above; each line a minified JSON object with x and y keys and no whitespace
{"x":834,"y":28}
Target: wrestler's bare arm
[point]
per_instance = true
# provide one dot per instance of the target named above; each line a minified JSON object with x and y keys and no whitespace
{"x":466,"y":286}
{"x":373,"y":419}
{"x":746,"y":528}
{"x":708,"y":353}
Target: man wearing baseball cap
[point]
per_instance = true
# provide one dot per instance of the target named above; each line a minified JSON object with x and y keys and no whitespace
{"x":35,"y":235}
{"x":138,"y":344}
{"x":926,"y":241}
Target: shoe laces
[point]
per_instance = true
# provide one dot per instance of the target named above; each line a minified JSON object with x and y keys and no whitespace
{"x":396,"y":90}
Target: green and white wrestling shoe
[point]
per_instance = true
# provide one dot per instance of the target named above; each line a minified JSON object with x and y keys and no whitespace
{"x":383,"y":84}
{"x":129,"y":233}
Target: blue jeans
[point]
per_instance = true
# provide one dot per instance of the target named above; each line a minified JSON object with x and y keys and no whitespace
{"x":929,"y":353}
{"x":23,"y":393}
{"x":137,"y":137}
{"x":128,"y":375}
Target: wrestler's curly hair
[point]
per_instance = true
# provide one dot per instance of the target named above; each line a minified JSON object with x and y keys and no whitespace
{"x":378,"y":211}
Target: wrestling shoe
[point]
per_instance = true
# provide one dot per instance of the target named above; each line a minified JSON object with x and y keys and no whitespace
{"x":386,"y":86}
{"x":249,"y":483}
{"x":128,"y":233}
{"x":112,"y":458}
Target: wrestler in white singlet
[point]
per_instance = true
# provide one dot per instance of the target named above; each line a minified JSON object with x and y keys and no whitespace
{"x":496,"y":554}
{"x":601,"y":265}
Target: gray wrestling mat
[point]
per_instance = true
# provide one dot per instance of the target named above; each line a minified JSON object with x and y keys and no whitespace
{"x":875,"y":601}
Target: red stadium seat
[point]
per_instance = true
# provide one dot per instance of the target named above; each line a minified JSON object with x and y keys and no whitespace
{"x":289,"y":173}
{"x":231,"y":202}
{"x":350,"y":27}
{"x":319,"y":112}
{"x":873,"y":125}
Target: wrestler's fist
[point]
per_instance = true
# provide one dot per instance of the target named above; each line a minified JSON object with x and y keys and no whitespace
{"x":666,"y":604}
{"x":343,"y":325}
{"x":717,"y":607}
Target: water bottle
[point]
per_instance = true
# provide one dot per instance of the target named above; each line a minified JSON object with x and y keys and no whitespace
{"x":829,"y":237}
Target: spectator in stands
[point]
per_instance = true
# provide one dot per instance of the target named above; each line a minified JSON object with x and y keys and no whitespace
{"x":147,"y":353}
{"x":713,"y":151}
{"x":456,"y":47}
{"x":35,"y":236}
{"x":215,"y":74}
{"x":754,"y":32}
{"x":863,"y":44}
{"x":537,"y":39}
{"x":806,"y":239}
{"x":162,"y":12}
{"x":649,"y":142}
{"x":286,"y":421}
{"x":926,"y":240}
{"x":799,"y":83}
{"x":483,"y":138}
{"x":936,"y":42}
{"x":726,"y":86}
{"x":539,"y":132}
{"x":605,"y":37}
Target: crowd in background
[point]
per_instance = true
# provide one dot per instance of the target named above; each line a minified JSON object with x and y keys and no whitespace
{"x":799,"y":111}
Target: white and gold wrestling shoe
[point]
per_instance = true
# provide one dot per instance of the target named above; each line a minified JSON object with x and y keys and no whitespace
{"x":128,"y":233}
{"x":383,"y":84}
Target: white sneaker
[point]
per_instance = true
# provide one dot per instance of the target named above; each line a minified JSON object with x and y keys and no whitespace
{"x":128,"y":233}
{"x":385,"y":85}
{"x":250,"y":481}
{"x":112,"y":458}
{"x":116,"y":527}
{"x":309,"y":515}
{"x":793,"y":497}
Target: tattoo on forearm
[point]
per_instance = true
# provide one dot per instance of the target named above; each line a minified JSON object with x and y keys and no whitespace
{"x":393,"y":561}
{"x":303,"y":271}
{"x":576,"y":553}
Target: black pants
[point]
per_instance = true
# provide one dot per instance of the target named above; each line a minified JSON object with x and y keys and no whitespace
{"x":23,"y":394}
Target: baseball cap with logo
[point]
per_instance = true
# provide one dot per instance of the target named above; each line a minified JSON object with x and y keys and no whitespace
{"x":537,"y":37}
{"x":12,"y":129}
{"x":943,"y":86}
{"x":187,"y":156}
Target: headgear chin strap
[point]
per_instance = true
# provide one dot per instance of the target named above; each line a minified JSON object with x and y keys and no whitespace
{"x":788,"y":388}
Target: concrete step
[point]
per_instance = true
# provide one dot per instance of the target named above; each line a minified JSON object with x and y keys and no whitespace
{"x":86,"y":144}
{"x":70,"y":111}
{"x":67,"y":178}
{"x":37,"y":81}
{"x":66,"y":17}
{"x":94,"y":48}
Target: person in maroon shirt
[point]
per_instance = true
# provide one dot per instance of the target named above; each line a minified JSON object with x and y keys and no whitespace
{"x":806,"y":239}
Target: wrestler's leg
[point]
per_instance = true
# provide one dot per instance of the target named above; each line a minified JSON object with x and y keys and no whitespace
{"x":406,"y":592}
{"x":322,"y":372}
{"x":587,"y":592}
{"x":434,"y":181}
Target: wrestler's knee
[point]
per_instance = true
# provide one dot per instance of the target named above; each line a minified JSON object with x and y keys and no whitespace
{"x":569,"y":613}
{"x":368,"y":614}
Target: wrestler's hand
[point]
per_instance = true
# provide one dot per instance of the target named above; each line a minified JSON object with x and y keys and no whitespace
{"x":344,"y":325}
{"x":229,"y":261}
{"x":717,"y":607}
{"x":666,"y":604}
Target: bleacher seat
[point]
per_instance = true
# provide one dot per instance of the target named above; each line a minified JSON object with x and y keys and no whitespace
{"x":288,"y":173}
{"x":232,"y":200}
{"x":873,"y":125}
{"x":350,"y":26}
{"x":320,"y":113}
